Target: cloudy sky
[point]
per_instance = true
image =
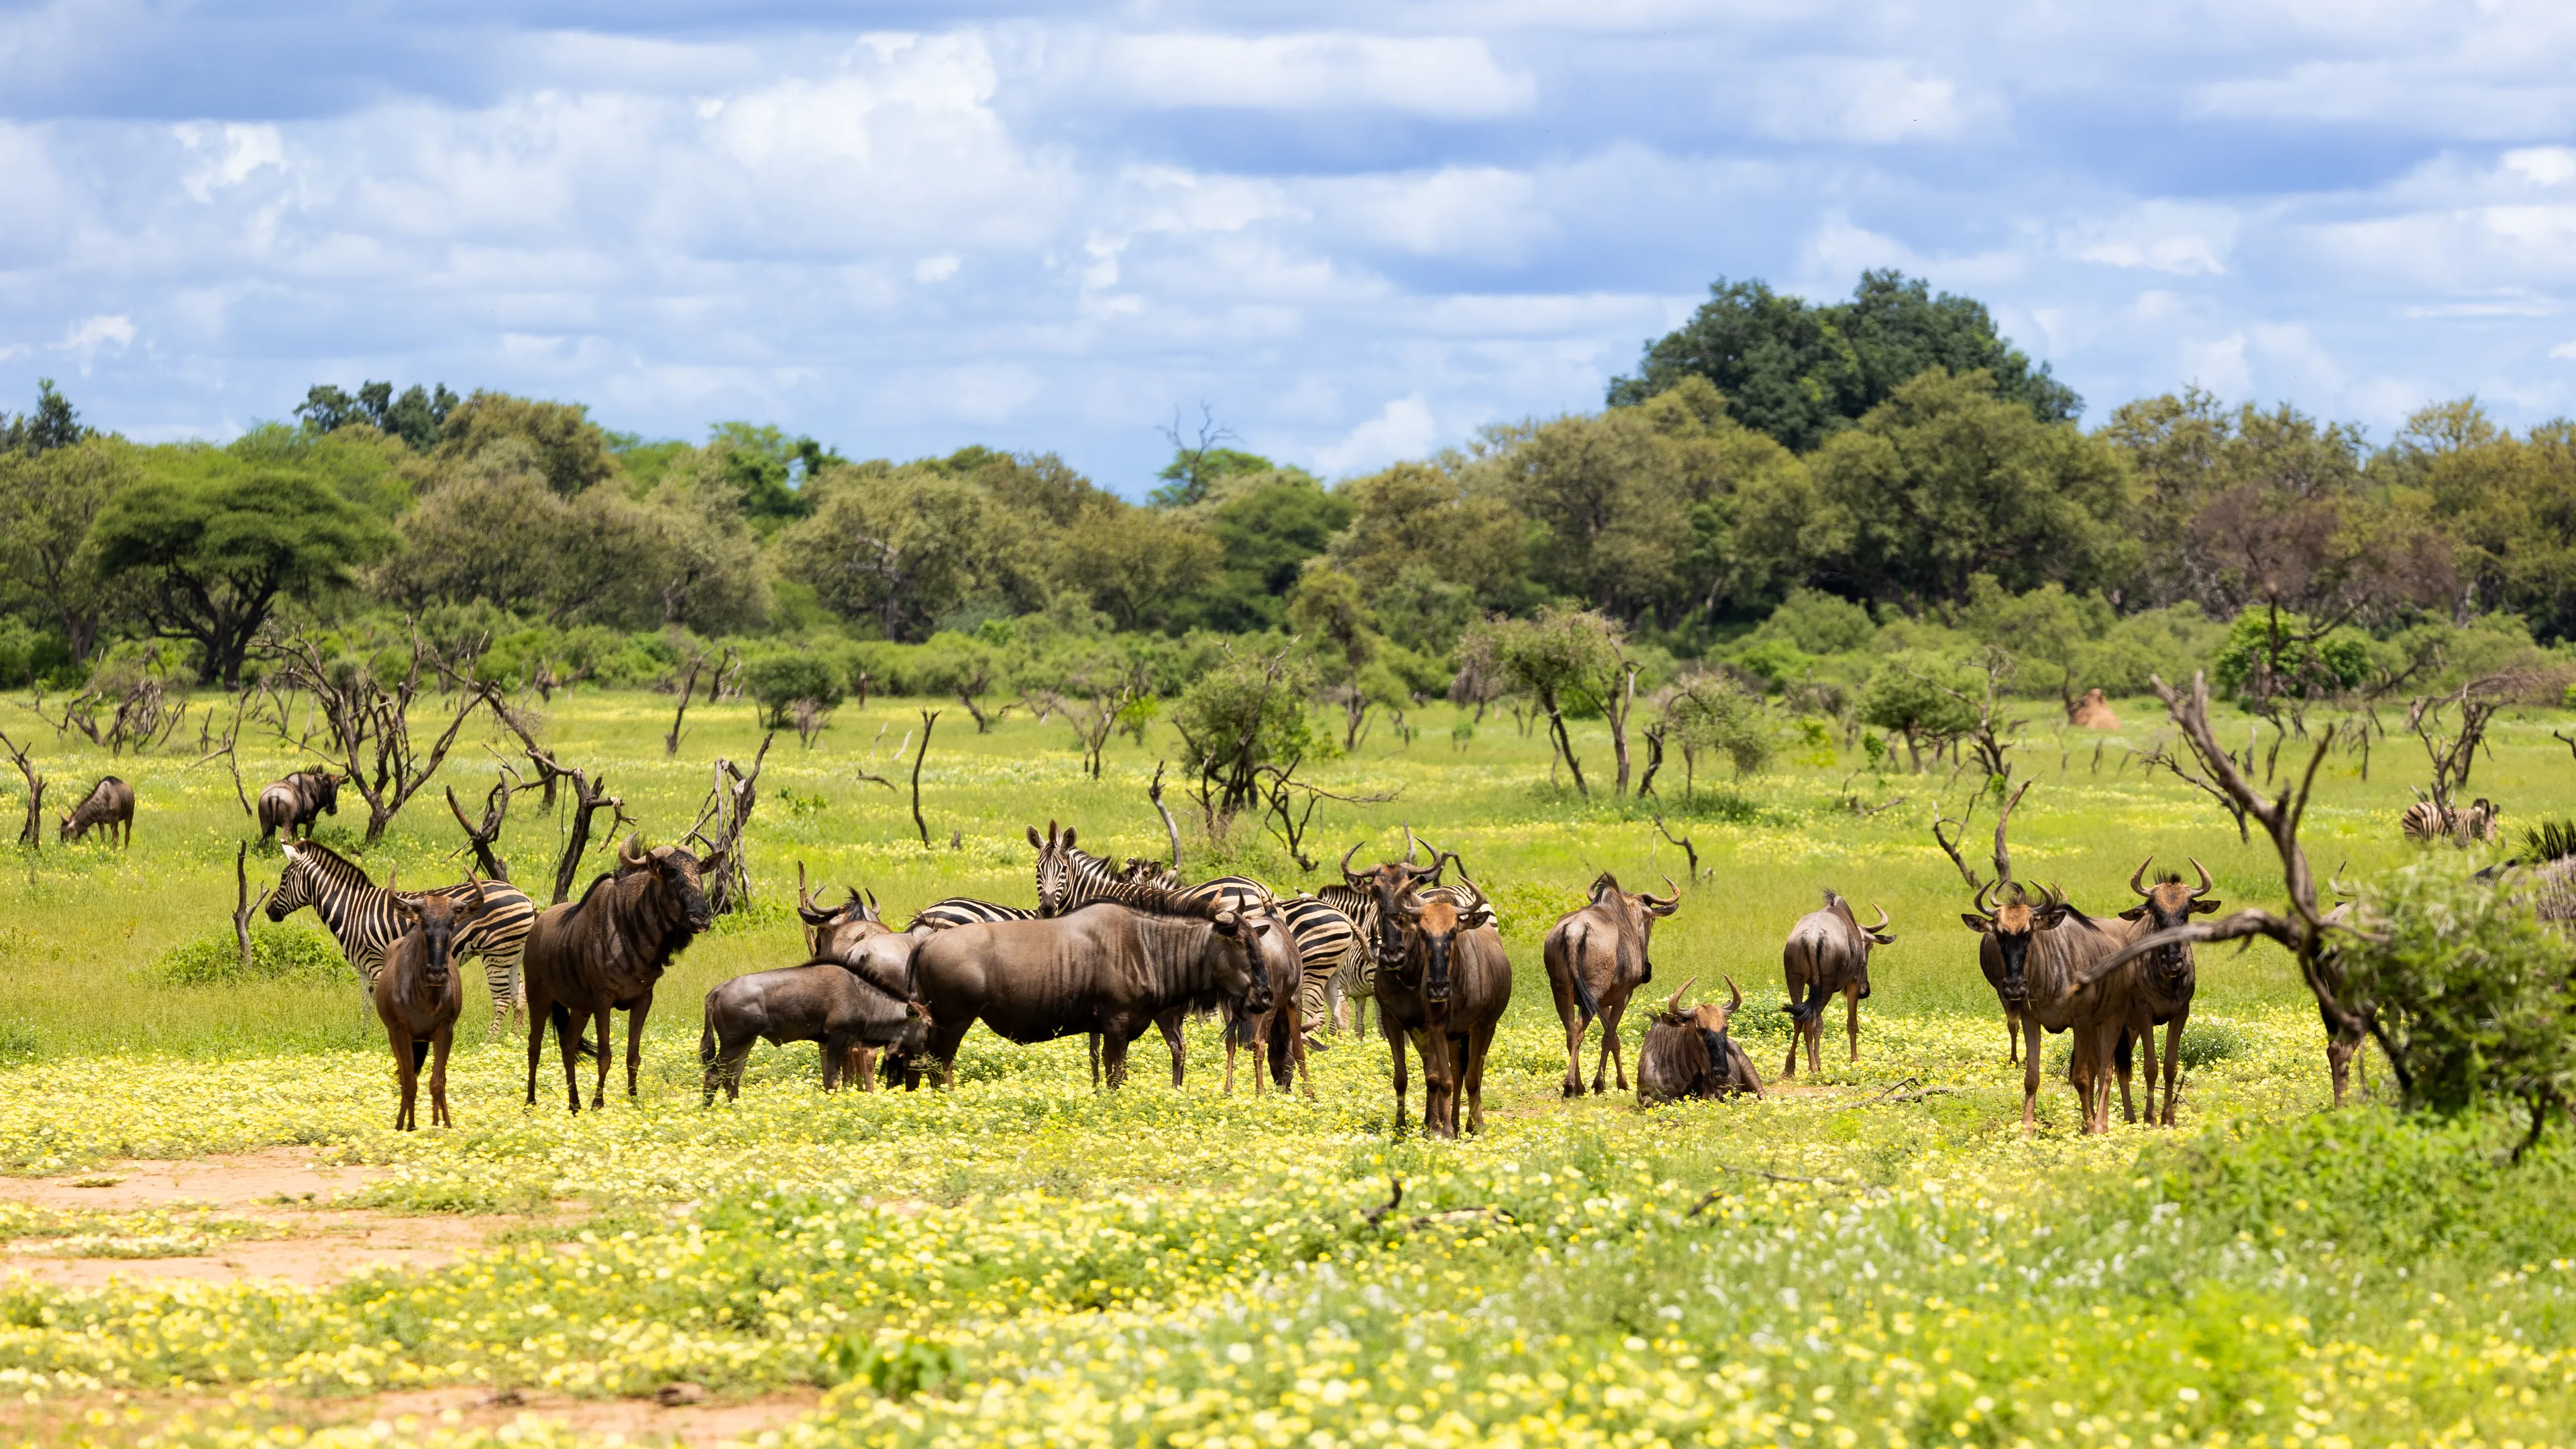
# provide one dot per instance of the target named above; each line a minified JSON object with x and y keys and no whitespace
{"x":1355,"y":232}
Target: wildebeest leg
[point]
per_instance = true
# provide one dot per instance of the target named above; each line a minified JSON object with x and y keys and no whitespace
{"x":2173,"y":1061}
{"x":605,"y":1020}
{"x":1113,"y":1053}
{"x":863,"y":1065}
{"x":634,"y":1039}
{"x":568,"y":1031}
{"x":2123,"y":1038}
{"x":1297,"y":1049}
{"x":438,"y":1046}
{"x":1851,"y":1017}
{"x":1395,"y":1041}
{"x":1170,"y":1024}
{"x":833,"y":1049}
{"x":1571,"y":1014}
{"x":2012,"y":1036}
{"x":2029,"y":1072}
{"x":407,"y":1073}
{"x":538,"y":1012}
{"x":1814,"y":1031}
{"x":1439,"y":1082}
{"x":1478,"y":1042}
{"x":1095,"y":1061}
{"x":1612,"y":1013}
{"x":1789,"y":1068}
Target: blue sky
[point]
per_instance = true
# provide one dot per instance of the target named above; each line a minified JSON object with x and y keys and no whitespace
{"x":1356,"y":232}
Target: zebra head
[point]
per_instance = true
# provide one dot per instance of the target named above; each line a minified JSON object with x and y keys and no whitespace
{"x":294,"y":884}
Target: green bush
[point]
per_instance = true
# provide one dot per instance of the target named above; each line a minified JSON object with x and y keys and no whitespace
{"x":277,"y":952}
{"x":2210,"y":1039}
{"x":2339,"y":661}
{"x":783,"y":680}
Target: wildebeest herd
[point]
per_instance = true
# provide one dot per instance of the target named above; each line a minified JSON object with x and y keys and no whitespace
{"x":1111,"y":950}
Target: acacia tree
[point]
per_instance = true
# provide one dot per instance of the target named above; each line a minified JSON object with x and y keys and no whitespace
{"x":1568,"y":659}
{"x":48,"y":500}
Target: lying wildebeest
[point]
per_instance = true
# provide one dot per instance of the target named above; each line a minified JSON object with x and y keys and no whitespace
{"x":1827,"y":952}
{"x":2167,"y":979}
{"x":1595,"y":957}
{"x":1687,"y":1053}
{"x":2038,"y":949}
{"x":844,"y":1002}
{"x":419,"y":994}
{"x":110,"y":803}
{"x":294,"y":803}
{"x":1105,"y":969}
{"x":1442,"y":983}
{"x":604,"y":953}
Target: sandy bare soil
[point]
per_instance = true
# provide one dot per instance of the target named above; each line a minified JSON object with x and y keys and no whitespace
{"x":701,"y":1425}
{"x":281,"y":1188}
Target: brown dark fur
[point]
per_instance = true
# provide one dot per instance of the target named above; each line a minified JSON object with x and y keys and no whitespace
{"x":2166,"y":982}
{"x":604,"y":953}
{"x":1445,"y":994}
{"x":294,"y":803}
{"x":1827,"y":953}
{"x":1596,"y":957}
{"x":420,"y":993}
{"x":1688,"y":1054}
{"x":110,"y":803}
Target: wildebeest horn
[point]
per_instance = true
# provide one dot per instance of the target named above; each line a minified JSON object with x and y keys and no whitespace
{"x":1735,"y":997}
{"x":1882,"y":916}
{"x":1674,"y":1006}
{"x":2141,"y":874}
{"x":2205,"y":881}
{"x":1980,"y":902}
{"x":630,"y":851}
{"x":1346,"y":863}
{"x":1408,"y":843}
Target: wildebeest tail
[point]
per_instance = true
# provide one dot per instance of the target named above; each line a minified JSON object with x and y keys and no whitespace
{"x":1584,"y":1000}
{"x":1813,"y":1007}
{"x":419,"y":1054}
{"x":1283,"y":1062}
{"x":707,"y":1043}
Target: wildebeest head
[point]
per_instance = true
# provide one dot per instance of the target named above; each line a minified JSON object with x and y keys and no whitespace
{"x":1643,"y":908}
{"x":1387,"y":884}
{"x":677,"y":877}
{"x":2016,"y":918}
{"x":1708,"y":1018}
{"x":830,"y":928}
{"x":326,"y":791}
{"x":1433,"y":923}
{"x":438,"y":917}
{"x":2167,"y":904}
{"x":1055,"y":868}
{"x":1236,"y":952}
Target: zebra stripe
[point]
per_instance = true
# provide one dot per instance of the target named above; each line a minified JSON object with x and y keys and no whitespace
{"x":360,"y":916}
{"x":1075,"y":878}
{"x":965,"y":911}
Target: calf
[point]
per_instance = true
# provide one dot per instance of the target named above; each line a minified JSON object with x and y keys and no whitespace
{"x":419,"y":995}
{"x":110,"y":803}
{"x":1687,"y":1053}
{"x":844,"y":1003}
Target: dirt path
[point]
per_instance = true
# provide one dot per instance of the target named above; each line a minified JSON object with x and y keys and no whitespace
{"x":408,"y":1415}
{"x":282,"y":1189}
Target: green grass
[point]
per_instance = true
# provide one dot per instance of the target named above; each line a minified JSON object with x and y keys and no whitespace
{"x":1022,"y":1258}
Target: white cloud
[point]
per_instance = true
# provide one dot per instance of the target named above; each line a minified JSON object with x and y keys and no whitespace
{"x":936,"y":269}
{"x":2183,"y":238}
{"x":231,"y":153}
{"x":1403,"y":428}
{"x":1448,"y":76}
{"x":2564,"y":349}
{"x":91,"y":335}
{"x":1870,"y":101}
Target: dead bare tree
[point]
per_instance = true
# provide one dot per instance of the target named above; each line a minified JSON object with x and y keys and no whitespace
{"x":2454,"y":752}
{"x":142,"y":712}
{"x":1987,"y":737}
{"x":226,"y":750}
{"x":2159,"y":757}
{"x":688,"y":691}
{"x":717,"y":832}
{"x":1154,"y":792}
{"x":367,"y":721}
{"x":1690,"y":851}
{"x":243,"y":904}
{"x":929,"y":717}
{"x":32,"y":833}
{"x":2002,"y":857}
{"x":1289,"y":807}
{"x":589,"y":797}
{"x":480,"y":838}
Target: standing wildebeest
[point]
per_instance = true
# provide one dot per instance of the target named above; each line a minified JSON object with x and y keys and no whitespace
{"x":1827,"y":952}
{"x":1106,"y":969}
{"x":2039,"y":950}
{"x":419,"y":995}
{"x":1687,"y":1053}
{"x":1596,"y":957}
{"x":844,"y":1002}
{"x":110,"y":803}
{"x":1273,"y":1033}
{"x":363,"y":917}
{"x":294,"y":803}
{"x":604,"y":953}
{"x":2167,"y":978}
{"x":839,"y":930}
{"x":1442,"y":983}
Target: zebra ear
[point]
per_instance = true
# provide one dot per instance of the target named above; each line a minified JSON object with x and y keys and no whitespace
{"x":1068,"y":837}
{"x":1034,"y":840}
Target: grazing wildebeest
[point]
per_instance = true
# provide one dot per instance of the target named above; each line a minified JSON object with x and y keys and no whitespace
{"x":2167,"y":978}
{"x":604,"y":953}
{"x":1687,"y":1053}
{"x":294,"y":803}
{"x":1596,"y":957}
{"x":1105,"y":969}
{"x":1442,"y":984}
{"x":2039,"y":949}
{"x":361,"y":916}
{"x":844,"y":1002}
{"x":1827,"y":952}
{"x":419,"y":995}
{"x":110,"y":803}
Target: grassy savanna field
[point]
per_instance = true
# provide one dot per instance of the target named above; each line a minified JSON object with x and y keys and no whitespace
{"x":1022,"y":1260}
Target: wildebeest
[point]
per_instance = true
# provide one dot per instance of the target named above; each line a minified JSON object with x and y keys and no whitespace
{"x":1272,"y":1035}
{"x":110,"y":803}
{"x":2167,"y":978}
{"x":1687,"y":1053}
{"x":844,"y":1002}
{"x":1105,"y":969}
{"x":363,"y":918}
{"x":1442,"y":984}
{"x":419,"y":995}
{"x":839,"y":929}
{"x":2038,"y":949}
{"x":294,"y":803}
{"x":1827,"y":952}
{"x":1596,"y":957}
{"x":604,"y":953}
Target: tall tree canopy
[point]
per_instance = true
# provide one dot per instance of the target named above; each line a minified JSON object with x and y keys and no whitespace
{"x":1802,"y":372}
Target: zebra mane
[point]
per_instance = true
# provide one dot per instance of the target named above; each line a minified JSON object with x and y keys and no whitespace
{"x":322,"y":860}
{"x":1106,"y":886}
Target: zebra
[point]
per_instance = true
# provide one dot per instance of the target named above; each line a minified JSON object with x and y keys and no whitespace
{"x":361,"y":917}
{"x":2426,"y":821}
{"x":1070,"y":878}
{"x":964,"y":911}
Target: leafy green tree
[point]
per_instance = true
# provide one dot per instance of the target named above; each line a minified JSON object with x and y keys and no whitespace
{"x":1135,"y":564}
{"x":2049,"y":634}
{"x":1948,"y":479}
{"x":765,"y":470}
{"x":904,"y":548}
{"x":207,"y":558}
{"x":1571,"y":662}
{"x":571,"y":452}
{"x":1341,"y":632}
{"x":1423,"y":612}
{"x":1418,"y":515}
{"x":1709,"y":714}
{"x":1907,"y":697}
{"x":783,"y":679}
{"x":1199,"y":464}
{"x":54,"y":424}
{"x":418,"y":417}
{"x":1266,"y":526}
{"x":1244,"y":717}
{"x":2509,"y":505}
{"x":1801,"y":372}
{"x":48,"y":500}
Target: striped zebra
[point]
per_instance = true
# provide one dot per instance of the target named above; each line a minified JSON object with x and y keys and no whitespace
{"x":964,"y":911}
{"x":2426,"y":821}
{"x":361,"y":917}
{"x":1070,"y":878}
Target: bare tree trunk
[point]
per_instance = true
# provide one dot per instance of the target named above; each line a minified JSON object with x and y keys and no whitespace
{"x":1154,"y":792}
{"x":1622,"y":700}
{"x":929,"y":717}
{"x":243,"y":905}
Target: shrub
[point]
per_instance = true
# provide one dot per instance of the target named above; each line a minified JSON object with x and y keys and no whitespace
{"x":783,"y":680}
{"x":1710,"y":714}
{"x":277,"y":952}
{"x":2210,"y":1039}
{"x":2339,"y":661}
